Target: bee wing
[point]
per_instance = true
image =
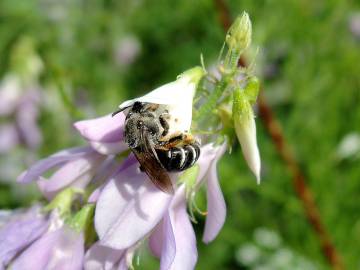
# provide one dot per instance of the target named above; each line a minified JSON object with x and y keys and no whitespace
{"x":151,"y":165}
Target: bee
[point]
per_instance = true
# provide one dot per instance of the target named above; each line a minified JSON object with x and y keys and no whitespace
{"x":147,"y":133}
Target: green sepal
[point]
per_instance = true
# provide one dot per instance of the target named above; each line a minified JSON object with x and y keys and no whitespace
{"x":251,"y":90}
{"x":63,"y":202}
{"x":189,"y":178}
{"x":82,"y":220}
{"x":241,"y":105}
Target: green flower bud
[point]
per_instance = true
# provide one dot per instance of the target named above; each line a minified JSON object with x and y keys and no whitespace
{"x":245,"y":129}
{"x":239,"y":35}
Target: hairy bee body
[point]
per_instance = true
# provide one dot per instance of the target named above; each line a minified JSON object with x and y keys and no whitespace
{"x":158,"y":152}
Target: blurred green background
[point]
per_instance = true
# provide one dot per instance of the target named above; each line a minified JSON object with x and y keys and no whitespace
{"x":86,"y":57}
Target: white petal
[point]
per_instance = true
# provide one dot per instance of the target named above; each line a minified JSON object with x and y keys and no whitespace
{"x":246,"y":133}
{"x":178,"y":95}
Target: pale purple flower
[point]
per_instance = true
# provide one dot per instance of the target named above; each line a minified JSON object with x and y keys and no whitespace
{"x":19,"y":109}
{"x":129,"y":208}
{"x":19,"y":232}
{"x":354,"y":24}
{"x":127,"y":50}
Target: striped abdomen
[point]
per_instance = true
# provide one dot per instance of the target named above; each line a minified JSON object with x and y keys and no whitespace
{"x":179,"y":158}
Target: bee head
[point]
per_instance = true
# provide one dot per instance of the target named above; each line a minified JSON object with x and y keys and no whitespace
{"x":137,"y":126}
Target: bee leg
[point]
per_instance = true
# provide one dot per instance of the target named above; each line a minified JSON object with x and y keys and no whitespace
{"x":163,"y":118}
{"x":189,"y":139}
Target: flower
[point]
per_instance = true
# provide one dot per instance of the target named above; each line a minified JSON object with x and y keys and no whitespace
{"x":127,"y":50}
{"x":48,"y":237}
{"x":21,"y":104}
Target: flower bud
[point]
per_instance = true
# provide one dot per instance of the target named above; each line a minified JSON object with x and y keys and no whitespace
{"x":239,"y":35}
{"x":245,"y":128}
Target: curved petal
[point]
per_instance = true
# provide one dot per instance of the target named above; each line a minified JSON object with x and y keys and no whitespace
{"x":101,"y":257}
{"x":125,"y":210}
{"x":207,"y":155}
{"x":109,"y":148}
{"x":216,"y":207}
{"x":77,"y":173}
{"x":59,"y":158}
{"x":179,"y":247}
{"x":245,"y":128}
{"x":61,"y":249}
{"x":156,"y":240}
{"x":19,"y":233}
{"x":106,"y":129}
{"x":111,"y":169}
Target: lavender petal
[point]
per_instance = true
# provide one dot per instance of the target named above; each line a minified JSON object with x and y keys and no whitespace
{"x":107,"y":129}
{"x":216,"y":204}
{"x":125,"y":210}
{"x":19,"y":233}
{"x":102,"y":257}
{"x":59,"y":158}
{"x":60,"y":249}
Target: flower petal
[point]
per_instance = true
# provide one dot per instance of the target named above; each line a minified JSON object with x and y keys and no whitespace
{"x":156,"y":240}
{"x":207,"y":154}
{"x":109,"y":148}
{"x":216,"y":207}
{"x":109,"y":170}
{"x":125,"y":210}
{"x":19,"y":233}
{"x":61,"y":249}
{"x":106,"y":129}
{"x":77,"y":173}
{"x":246,"y":132}
{"x":102,"y":257}
{"x":179,"y":247}
{"x":178,"y":95}
{"x":59,"y":158}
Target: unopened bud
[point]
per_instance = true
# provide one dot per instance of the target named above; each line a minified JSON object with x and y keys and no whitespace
{"x":245,"y":128}
{"x":239,"y":35}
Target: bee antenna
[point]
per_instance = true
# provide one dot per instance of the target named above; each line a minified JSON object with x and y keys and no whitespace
{"x":119,"y":111}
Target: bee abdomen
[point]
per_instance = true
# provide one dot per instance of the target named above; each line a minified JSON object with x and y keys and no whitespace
{"x":179,"y":158}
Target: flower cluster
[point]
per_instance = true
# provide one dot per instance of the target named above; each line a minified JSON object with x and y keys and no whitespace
{"x":102,"y":208}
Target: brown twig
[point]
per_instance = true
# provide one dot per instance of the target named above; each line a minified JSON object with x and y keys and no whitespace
{"x":303,"y":191}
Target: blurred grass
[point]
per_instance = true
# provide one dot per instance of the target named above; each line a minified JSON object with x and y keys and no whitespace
{"x":314,"y":89}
